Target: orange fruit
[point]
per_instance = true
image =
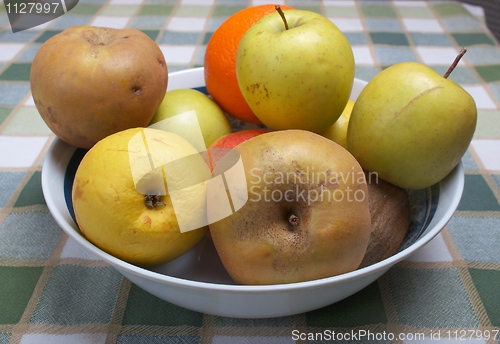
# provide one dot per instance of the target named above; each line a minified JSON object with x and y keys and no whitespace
{"x":220,"y":61}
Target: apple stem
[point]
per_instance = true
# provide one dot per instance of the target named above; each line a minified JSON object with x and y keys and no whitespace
{"x":455,"y":63}
{"x":280,"y":11}
{"x":293,"y":219}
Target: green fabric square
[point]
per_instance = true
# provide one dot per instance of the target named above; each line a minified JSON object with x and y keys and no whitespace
{"x":153,"y":34}
{"x":461,"y":75}
{"x":4,"y":112}
{"x":449,"y":9}
{"x":486,"y":283}
{"x":394,"y":54}
{"x":180,"y":38}
{"x":363,"y":308}
{"x":477,"y":239}
{"x":31,"y":235}
{"x":32,"y":193}
{"x":389,"y":38}
{"x":46,"y":35}
{"x":432,"y":39}
{"x":477,"y":195}
{"x":468,"y":39}
{"x":356,"y":38}
{"x":150,"y":339}
{"x":148,"y":22}
{"x":8,"y":184}
{"x":207,"y":37}
{"x":119,"y":10}
{"x":365,"y":72}
{"x":12,"y":93}
{"x":85,"y":9}
{"x":75,"y":295}
{"x":192,"y":11}
{"x":144,"y":308}
{"x":16,"y":286}
{"x":341,"y":12}
{"x":157,"y":10}
{"x":310,"y":8}
{"x":489,"y":73}
{"x":421,"y":298}
{"x":16,"y":72}
{"x":287,"y":321}
{"x":27,"y":120}
{"x":226,"y":11}
{"x":415,"y":12}
{"x":378,"y":11}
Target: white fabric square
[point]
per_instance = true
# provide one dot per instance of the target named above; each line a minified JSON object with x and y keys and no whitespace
{"x":178,"y":54}
{"x":362,"y":55}
{"x":186,"y":24}
{"x":481,"y":97}
{"x":348,"y":24}
{"x":434,"y":251}
{"x":410,"y":3}
{"x":198,"y":2}
{"x":79,"y":338}
{"x":339,"y":3}
{"x":17,"y":151}
{"x":9,"y":50}
{"x":488,"y":152}
{"x":266,"y":2}
{"x":125,"y":2}
{"x":73,"y":250}
{"x":112,"y":22}
{"x":30,"y":101}
{"x":422,"y":25}
{"x":438,"y":56}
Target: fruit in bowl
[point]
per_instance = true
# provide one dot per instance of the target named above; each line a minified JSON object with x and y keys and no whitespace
{"x":295,"y":70}
{"x":121,"y":203}
{"x":212,"y":120}
{"x":411,"y":125}
{"x":89,"y":82}
{"x":306,"y":216}
{"x":224,"y":144}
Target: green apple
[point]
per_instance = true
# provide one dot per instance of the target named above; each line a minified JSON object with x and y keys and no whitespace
{"x":411,"y":125}
{"x":337,"y":132}
{"x":212,"y":120}
{"x":297,"y":76}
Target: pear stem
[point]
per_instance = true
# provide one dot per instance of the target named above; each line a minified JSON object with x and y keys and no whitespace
{"x":280,"y":11}
{"x":455,"y":63}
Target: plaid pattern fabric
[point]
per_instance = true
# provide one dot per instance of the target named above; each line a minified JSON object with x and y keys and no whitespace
{"x":52,"y":291}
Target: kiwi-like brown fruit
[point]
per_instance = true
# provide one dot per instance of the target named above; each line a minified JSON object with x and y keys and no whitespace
{"x":390,"y":216}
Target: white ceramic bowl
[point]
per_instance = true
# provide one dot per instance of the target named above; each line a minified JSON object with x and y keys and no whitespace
{"x":203,"y":285}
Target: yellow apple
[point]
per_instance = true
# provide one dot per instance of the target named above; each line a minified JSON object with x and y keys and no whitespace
{"x":338,"y":131}
{"x":212,"y":120}
{"x":135,"y":192}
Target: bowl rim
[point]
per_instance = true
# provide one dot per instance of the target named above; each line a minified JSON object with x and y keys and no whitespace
{"x":60,"y":153}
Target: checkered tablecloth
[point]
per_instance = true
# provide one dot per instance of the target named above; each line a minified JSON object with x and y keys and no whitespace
{"x":52,"y":291}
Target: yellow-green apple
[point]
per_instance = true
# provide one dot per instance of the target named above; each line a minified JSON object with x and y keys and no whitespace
{"x":306,"y":214}
{"x":411,"y":125}
{"x":89,"y":82}
{"x":337,"y":132}
{"x":212,"y":120}
{"x":295,"y":71}
{"x":222,"y":145}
